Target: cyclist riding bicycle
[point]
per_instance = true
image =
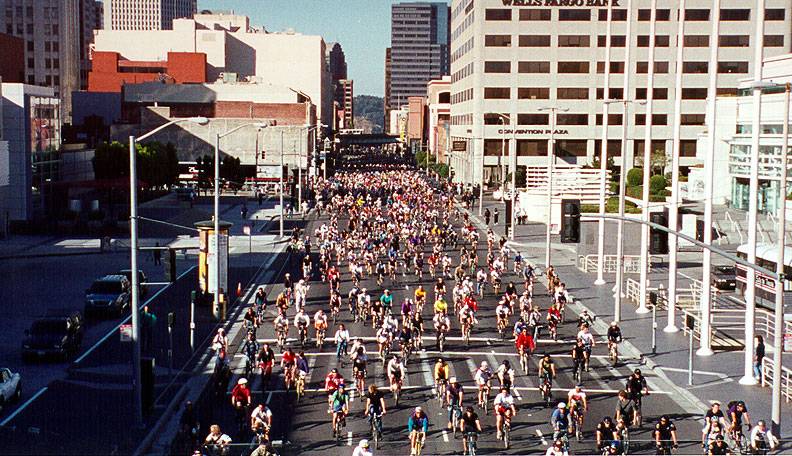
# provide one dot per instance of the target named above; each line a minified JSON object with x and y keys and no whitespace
{"x":606,"y":432}
{"x":387,"y":301}
{"x":737,"y":411}
{"x":665,"y":435}
{"x":454,"y":395}
{"x":470,"y":426}
{"x":719,"y":446}
{"x":547,"y":369}
{"x":375,"y":405}
{"x":261,"y":420}
{"x":440,"y":306}
{"x":625,"y":408}
{"x":483,"y":376}
{"x":557,"y":449}
{"x":504,"y":409}
{"x":333,"y":380}
{"x":505,"y":374}
{"x":585,"y":336}
{"x":762,"y":439}
{"x":636,"y":388}
{"x":713,"y":416}
{"x":265,"y":359}
{"x":339,"y":402}
{"x":441,"y":371}
{"x":250,"y":348}
{"x":559,"y":420}
{"x":417,"y":426}
{"x":396,"y":372}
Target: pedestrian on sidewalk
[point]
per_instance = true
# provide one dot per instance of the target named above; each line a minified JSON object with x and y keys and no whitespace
{"x":148,"y":322}
{"x":157,"y":254}
{"x":759,"y":353}
{"x":486,"y":216}
{"x":495,"y":216}
{"x":244,"y":211}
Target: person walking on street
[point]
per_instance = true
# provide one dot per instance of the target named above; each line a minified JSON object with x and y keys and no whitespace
{"x":486,"y":216}
{"x":244,"y":211}
{"x":759,"y":353}
{"x":157,"y":253}
{"x":149,"y":321}
{"x":495,"y":216}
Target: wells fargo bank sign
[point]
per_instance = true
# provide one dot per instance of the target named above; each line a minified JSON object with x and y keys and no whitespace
{"x":568,"y":3}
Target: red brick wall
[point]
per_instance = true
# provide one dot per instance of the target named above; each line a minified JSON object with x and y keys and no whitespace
{"x":285,"y":113}
{"x":12,"y":62}
{"x":184,"y":67}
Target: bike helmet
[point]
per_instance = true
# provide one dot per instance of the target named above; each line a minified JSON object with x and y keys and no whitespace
{"x":562,"y":405}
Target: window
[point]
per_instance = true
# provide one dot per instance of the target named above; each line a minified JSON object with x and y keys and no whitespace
{"x":658,"y":93}
{"x":660,"y":41}
{"x":497,"y":14}
{"x":573,"y":67}
{"x":495,"y":147}
{"x":661,"y":15}
{"x":657,"y":119}
{"x":732,"y":67}
{"x":734,"y":40}
{"x":573,"y":41}
{"x":694,"y":93}
{"x":30,"y":46}
{"x":572,"y":119}
{"x":614,"y":147}
{"x":687,"y":148}
{"x":47,"y":63}
{"x":616,"y":93}
{"x":774,"y":40}
{"x":55,"y":63}
{"x":696,"y":41}
{"x":533,"y":67}
{"x":497,"y":40}
{"x":497,"y":93}
{"x":727,"y":14}
{"x":774,"y":14}
{"x":55,"y":46}
{"x":30,"y":63}
{"x":574,"y":15}
{"x":31,"y":79}
{"x":492,"y":118}
{"x":497,"y":67}
{"x":616,"y":41}
{"x":613,"y":119}
{"x":697,"y":14}
{"x":533,"y":119}
{"x":616,"y":15}
{"x":615,"y":67}
{"x":535,"y":14}
{"x":695,"y":67}
{"x":531,"y":147}
{"x":54,"y":29}
{"x":572,"y":93}
{"x":692,"y":119}
{"x":29,"y":29}
{"x":534,"y":40}
{"x":643,"y":67}
{"x":47,"y":46}
{"x":533,"y":93}
{"x":572,"y":148}
{"x":726,"y":91}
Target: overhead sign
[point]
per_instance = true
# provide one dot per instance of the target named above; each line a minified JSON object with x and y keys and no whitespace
{"x":459,"y":146}
{"x":567,"y":3}
{"x":125,"y":331}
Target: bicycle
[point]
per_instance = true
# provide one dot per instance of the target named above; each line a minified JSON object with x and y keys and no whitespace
{"x":577,"y":371}
{"x":339,"y":425}
{"x":440,"y":390}
{"x":506,"y":432}
{"x":303,"y":332}
{"x":739,"y":442}
{"x":441,"y":338}
{"x":546,"y":389}
{"x":471,"y":439}
{"x":376,"y":429}
{"x":320,"y":337}
{"x":299,"y":387}
{"x":420,"y":440}
{"x":486,"y":396}
{"x":577,"y":421}
{"x":281,"y":339}
{"x":665,"y":447}
{"x":613,"y":353}
{"x":334,"y":313}
{"x":456,"y":414}
{"x":466,"y":329}
{"x":524,"y":360}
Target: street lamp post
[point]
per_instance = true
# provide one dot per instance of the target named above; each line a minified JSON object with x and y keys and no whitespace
{"x":604,"y":152}
{"x":550,"y":162}
{"x":512,"y":166}
{"x":308,"y":129}
{"x":133,"y":262}
{"x":218,"y":136}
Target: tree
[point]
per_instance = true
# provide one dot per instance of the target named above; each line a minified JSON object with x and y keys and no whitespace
{"x":634,"y":177}
{"x":372,"y":108}
{"x":657,"y":161}
{"x":111,"y":161}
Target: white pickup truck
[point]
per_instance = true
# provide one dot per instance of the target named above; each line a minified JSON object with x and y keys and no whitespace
{"x":10,"y":386}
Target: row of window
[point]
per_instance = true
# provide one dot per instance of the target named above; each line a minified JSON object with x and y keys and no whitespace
{"x":462,"y":96}
{"x":620,"y":41}
{"x":505,"y":67}
{"x":581,"y":93}
{"x":661,"y":14}
{"x":579,"y":147}
{"x":462,"y":73}
{"x":464,"y":49}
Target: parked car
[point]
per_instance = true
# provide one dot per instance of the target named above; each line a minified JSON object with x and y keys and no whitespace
{"x":58,"y":334}
{"x":10,"y":386}
{"x":141,"y":279}
{"x":724,"y":278}
{"x":108,"y":295}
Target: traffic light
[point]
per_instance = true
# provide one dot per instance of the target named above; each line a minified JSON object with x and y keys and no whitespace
{"x":169,"y":264}
{"x":570,"y":221}
{"x":658,"y":239}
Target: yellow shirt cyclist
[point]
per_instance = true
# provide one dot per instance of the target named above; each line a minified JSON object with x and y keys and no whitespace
{"x":440,"y":306}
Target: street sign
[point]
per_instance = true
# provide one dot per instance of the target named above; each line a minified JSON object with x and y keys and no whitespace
{"x":788,"y":342}
{"x":125,"y":332}
{"x":459,"y":146}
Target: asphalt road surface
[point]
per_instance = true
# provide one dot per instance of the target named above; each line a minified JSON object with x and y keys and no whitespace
{"x":305,"y":428}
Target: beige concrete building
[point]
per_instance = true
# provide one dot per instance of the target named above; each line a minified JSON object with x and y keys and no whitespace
{"x":235,"y":50}
{"x":146,"y":14}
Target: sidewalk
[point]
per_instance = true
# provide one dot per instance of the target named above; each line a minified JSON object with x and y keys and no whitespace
{"x":716,"y":378}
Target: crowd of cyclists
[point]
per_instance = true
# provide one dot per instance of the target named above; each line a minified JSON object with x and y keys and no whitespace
{"x":395,"y":226}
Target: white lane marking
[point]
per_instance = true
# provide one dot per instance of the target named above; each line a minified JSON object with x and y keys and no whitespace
{"x":697,"y":372}
{"x":428,"y":374}
{"x":541,"y":437}
{"x":449,"y":338}
{"x":445,"y":436}
{"x":349,"y":438}
{"x":269,"y":397}
{"x":467,"y":387}
{"x":23,"y":406}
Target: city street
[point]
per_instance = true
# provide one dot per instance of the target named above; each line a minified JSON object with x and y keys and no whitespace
{"x":305,"y":426}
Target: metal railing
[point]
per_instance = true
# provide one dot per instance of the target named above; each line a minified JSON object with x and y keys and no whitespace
{"x":589,"y":263}
{"x":735,"y":226}
{"x":786,"y":377}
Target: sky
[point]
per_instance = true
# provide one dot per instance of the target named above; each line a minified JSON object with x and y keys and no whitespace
{"x":362,"y":27}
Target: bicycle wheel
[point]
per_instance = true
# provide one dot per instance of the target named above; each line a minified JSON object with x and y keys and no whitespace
{"x":506,"y":435}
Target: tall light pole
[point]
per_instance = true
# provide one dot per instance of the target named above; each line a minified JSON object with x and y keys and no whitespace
{"x":705,"y":334}
{"x":604,"y":153}
{"x":218,"y":136}
{"x":647,"y":165}
{"x":623,"y":171}
{"x":753,"y":204}
{"x":550,"y":162}
{"x":133,"y":261}
{"x":308,"y":129}
{"x":673,"y":210}
{"x":513,"y":166}
{"x":778,"y":323}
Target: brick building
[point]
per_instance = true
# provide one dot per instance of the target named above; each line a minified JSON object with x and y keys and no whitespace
{"x":111,"y":71}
